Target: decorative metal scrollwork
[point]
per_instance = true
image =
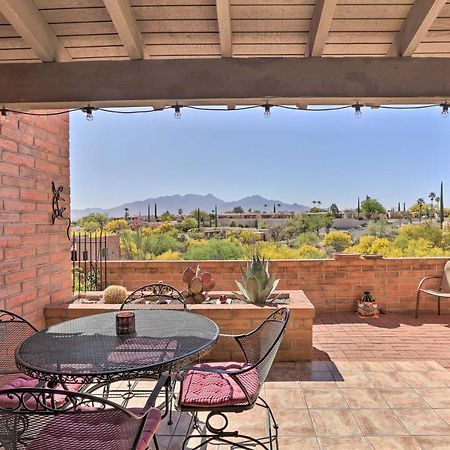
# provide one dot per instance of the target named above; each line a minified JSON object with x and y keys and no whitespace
{"x":57,"y":209}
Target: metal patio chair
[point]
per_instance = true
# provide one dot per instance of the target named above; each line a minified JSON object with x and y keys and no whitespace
{"x":13,"y":331}
{"x":36,"y":419}
{"x":444,"y":288}
{"x":232,"y":387}
{"x":152,"y":296}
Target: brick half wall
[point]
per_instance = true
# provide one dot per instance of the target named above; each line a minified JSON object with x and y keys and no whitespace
{"x":331,"y":285}
{"x":34,"y":255}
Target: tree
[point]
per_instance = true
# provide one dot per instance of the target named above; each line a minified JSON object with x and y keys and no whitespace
{"x":334,"y":209}
{"x":238,"y":210}
{"x":99,"y":218}
{"x":371,"y":206}
{"x":127,"y":213}
{"x":166,"y":217}
{"x":180,"y":212}
{"x":117,"y":226}
{"x":188,"y":224}
{"x":420,"y":203}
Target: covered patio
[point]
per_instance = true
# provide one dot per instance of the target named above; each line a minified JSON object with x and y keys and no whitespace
{"x":380,"y":383}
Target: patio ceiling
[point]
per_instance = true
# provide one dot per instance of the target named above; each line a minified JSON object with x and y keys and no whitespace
{"x":229,"y":51}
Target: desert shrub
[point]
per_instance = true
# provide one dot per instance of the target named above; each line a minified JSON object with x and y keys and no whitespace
{"x":337,"y":240}
{"x":308,"y":237}
{"x":271,"y":250}
{"x":169,"y":255}
{"x":215,"y":249}
{"x":307,"y":251}
{"x":116,"y":226}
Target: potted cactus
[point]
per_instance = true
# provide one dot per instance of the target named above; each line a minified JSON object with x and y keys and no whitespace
{"x":114,"y":294}
{"x":198,"y":285}
{"x":257,"y":284}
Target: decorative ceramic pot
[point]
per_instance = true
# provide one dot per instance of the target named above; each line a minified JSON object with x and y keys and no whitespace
{"x":367,"y":306}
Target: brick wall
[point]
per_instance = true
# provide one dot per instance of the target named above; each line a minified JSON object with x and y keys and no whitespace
{"x":331,"y":285}
{"x":34,"y":255}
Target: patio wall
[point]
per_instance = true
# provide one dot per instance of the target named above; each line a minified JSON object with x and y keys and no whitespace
{"x":331,"y":285}
{"x":34,"y":255}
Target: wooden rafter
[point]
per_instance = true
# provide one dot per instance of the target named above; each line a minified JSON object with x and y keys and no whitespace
{"x":234,"y":81}
{"x":416,"y":25}
{"x":28,"y":21}
{"x":320,"y":27}
{"x":224,"y":21}
{"x":126,"y":26}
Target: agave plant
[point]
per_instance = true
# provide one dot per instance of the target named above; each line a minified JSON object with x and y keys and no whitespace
{"x":257,"y":284}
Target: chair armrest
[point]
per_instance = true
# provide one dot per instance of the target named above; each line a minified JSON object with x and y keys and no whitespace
{"x":423,"y":280}
{"x":162,"y":381}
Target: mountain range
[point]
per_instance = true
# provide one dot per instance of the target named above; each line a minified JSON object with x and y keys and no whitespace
{"x":190,"y":202}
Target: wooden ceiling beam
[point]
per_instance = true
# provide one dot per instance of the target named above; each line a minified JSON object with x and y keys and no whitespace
{"x":225,"y":34}
{"x":127,"y":28}
{"x":28,"y":21}
{"x":320,"y":27}
{"x":235,"y":81}
{"x":416,"y":25}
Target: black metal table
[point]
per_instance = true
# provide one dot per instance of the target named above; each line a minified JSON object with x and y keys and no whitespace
{"x":88,"y":350}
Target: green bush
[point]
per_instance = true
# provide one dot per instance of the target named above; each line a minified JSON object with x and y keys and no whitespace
{"x":308,"y":237}
{"x":215,"y":249}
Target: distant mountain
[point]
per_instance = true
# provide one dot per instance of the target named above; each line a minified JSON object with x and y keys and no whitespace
{"x":188,"y":203}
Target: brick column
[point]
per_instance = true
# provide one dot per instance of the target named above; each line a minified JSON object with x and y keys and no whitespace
{"x":34,"y":255}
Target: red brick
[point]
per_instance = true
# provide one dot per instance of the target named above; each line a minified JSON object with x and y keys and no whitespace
{"x":20,"y":276}
{"x":20,"y":160}
{"x":20,"y":182}
{"x":33,"y":195}
{"x":9,"y":168}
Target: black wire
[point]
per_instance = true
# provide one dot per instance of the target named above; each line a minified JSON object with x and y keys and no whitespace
{"x":201,"y":108}
{"x":44,"y":114}
{"x":336,"y":108}
{"x":141,"y":111}
{"x":408,"y":107}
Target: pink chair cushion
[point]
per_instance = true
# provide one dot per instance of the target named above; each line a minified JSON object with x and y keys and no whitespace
{"x":24,"y":381}
{"x":108,"y":429}
{"x":207,"y":389}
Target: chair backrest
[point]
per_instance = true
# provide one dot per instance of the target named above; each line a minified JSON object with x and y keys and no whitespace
{"x":445,"y":283}
{"x":152,"y":296}
{"x":13,"y":331}
{"x":30,"y":419}
{"x":260,"y":346}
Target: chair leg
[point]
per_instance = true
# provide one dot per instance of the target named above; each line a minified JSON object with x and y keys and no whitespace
{"x":417,"y":304}
{"x":155,"y":442}
{"x":439,"y":306}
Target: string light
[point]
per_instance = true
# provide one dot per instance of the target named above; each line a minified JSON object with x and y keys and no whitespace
{"x":267,"y":110}
{"x":358,"y":112}
{"x":177,"y":114}
{"x":4,"y":115}
{"x":89,"y":113}
{"x":444,"y":107}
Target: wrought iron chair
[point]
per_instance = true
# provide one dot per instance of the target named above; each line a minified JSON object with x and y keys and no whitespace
{"x":36,"y":419}
{"x":444,"y":288}
{"x":13,"y":331}
{"x":152,"y":296}
{"x":231,"y":387}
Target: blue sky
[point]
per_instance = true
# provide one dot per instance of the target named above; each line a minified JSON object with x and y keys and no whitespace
{"x":293,"y":156}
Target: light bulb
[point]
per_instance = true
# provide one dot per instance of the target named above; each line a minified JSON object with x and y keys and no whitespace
{"x":177,"y":114}
{"x":4,"y":115}
{"x":89,"y":113}
{"x":267,"y":111}
{"x":358,"y":112}
{"x":444,"y":109}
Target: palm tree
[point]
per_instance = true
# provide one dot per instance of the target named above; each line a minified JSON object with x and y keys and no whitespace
{"x":432,"y":196}
{"x":318,"y":204}
{"x":180,"y":212}
{"x":265,"y":207}
{"x":314,"y":203}
{"x":127,"y":214}
{"x":420,"y":203}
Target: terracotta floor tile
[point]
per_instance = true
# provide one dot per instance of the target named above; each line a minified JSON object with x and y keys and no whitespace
{"x":433,"y":442}
{"x":323,"y":398}
{"x":364,"y":398}
{"x":334,"y":422}
{"x":313,"y":366}
{"x":319,"y":384}
{"x":285,"y":398}
{"x":420,"y":379}
{"x":387,"y":380}
{"x":307,"y":443}
{"x":379,"y":422}
{"x":444,"y":413}
{"x":393,"y":443}
{"x":403,"y":398}
{"x":436,"y":397}
{"x":353,"y":380}
{"x":440,"y":375}
{"x":376,"y":366}
{"x":282,"y":385}
{"x":424,"y":422}
{"x":343,"y":443}
{"x":316,"y":376}
{"x":294,"y":423}
{"x":414,"y":366}
{"x":347,"y":366}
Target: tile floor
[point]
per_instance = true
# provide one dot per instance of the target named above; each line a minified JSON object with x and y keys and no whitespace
{"x":380,"y":384}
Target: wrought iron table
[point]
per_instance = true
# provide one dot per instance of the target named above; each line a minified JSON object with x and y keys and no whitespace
{"x":88,"y":350}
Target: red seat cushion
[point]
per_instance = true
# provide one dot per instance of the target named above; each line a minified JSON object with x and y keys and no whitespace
{"x":208,"y":389}
{"x":110,"y":429}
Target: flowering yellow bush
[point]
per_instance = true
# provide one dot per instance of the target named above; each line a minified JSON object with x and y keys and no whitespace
{"x":338,"y":240}
{"x":271,"y":250}
{"x":170,"y":255}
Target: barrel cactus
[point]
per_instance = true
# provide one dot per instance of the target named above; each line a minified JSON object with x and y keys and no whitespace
{"x":198,"y":285}
{"x":114,"y":294}
{"x":257,"y":284}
